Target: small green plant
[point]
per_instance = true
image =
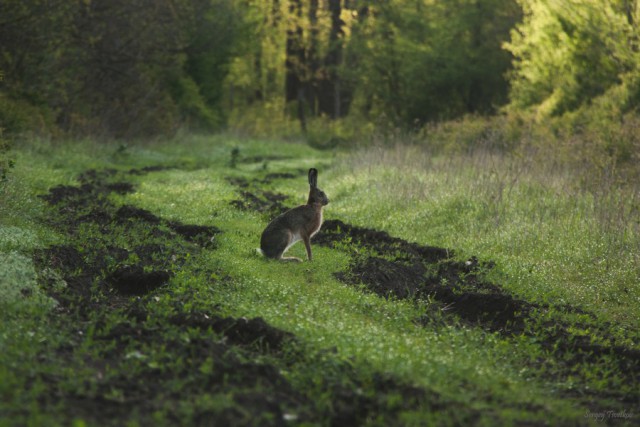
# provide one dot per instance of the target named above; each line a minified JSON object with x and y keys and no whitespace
{"x":235,"y":157}
{"x":122,"y":150}
{"x":6,"y":163}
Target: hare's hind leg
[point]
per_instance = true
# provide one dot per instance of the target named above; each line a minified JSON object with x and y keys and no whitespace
{"x":292,"y":239}
{"x":274,"y":242}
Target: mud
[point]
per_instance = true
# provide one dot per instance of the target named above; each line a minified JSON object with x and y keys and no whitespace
{"x":245,"y":332}
{"x":134,"y":280}
{"x":201,"y":235}
{"x":334,"y":231}
{"x":454,"y":287}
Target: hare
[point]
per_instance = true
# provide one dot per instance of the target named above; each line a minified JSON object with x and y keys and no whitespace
{"x":299,"y":223}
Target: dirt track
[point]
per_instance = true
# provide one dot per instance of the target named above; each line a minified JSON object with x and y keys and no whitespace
{"x":101,"y":277}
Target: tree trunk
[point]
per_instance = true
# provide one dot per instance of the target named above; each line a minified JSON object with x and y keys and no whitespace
{"x":630,"y":8}
{"x":301,"y":107}
{"x":330,"y":97}
{"x":312,"y":58}
{"x":294,"y":53}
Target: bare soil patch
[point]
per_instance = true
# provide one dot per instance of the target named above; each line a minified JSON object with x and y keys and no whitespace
{"x":403,"y":270}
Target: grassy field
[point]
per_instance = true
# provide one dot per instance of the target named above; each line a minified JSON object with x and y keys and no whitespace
{"x":471,"y":289}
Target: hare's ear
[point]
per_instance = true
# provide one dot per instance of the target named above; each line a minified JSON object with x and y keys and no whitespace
{"x":313,"y":177}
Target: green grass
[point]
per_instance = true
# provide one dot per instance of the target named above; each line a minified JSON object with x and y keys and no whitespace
{"x":547,"y":246}
{"x":545,"y":235}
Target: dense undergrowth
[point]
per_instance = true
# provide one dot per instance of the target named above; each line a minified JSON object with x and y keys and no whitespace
{"x":475,"y":288}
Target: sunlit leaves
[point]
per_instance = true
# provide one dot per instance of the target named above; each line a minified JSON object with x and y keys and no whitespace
{"x":568,"y":52}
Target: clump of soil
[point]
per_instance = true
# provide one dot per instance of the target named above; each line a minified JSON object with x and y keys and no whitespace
{"x":453,"y":287}
{"x":266,"y":202}
{"x":408,"y":270}
{"x":201,"y":235}
{"x":334,"y":231}
{"x":245,"y":332}
{"x":132,"y":213}
{"x":134,"y":280}
{"x":254,"y":198}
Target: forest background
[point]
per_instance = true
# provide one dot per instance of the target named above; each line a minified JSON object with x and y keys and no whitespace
{"x":331,"y":71}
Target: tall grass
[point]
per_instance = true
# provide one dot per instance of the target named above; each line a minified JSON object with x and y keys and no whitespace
{"x":557,"y":230}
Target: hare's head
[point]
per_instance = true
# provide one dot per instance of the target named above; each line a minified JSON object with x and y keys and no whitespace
{"x":316,"y":195}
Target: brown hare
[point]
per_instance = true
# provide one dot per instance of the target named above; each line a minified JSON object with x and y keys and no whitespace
{"x":299,"y":223}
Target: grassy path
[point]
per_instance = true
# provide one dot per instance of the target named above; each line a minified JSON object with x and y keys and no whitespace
{"x":133,"y":294}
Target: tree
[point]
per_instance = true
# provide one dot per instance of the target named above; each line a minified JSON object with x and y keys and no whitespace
{"x":432,"y":60}
{"x":330,"y":101}
{"x":116,"y":68}
{"x":568,"y":53}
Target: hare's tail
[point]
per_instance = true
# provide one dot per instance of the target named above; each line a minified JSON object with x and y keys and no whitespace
{"x":259,"y":251}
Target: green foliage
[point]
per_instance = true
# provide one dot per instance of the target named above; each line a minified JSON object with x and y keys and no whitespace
{"x":391,"y":64}
{"x":197,"y":115}
{"x":19,"y":116}
{"x":575,"y":69}
{"x":567,"y":53}
{"x":323,"y":70}
{"x":216,"y":32}
{"x":422,"y":62}
{"x":115,"y":69}
{"x":6,"y":162}
{"x":19,"y":291}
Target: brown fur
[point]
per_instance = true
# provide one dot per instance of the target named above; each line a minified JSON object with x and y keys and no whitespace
{"x":299,"y":223}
